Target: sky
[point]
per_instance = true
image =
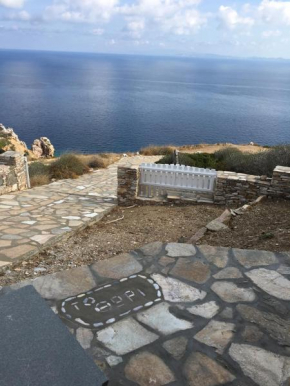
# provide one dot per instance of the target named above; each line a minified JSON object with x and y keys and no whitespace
{"x":151,"y":27}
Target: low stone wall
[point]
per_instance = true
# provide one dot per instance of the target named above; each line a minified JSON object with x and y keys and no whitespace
{"x":237,"y":189}
{"x":233,"y":189}
{"x":12,"y":172}
{"x":127,"y":185}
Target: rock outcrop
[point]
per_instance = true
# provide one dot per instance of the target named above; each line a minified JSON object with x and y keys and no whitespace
{"x":9,"y":141}
{"x":42,"y":148}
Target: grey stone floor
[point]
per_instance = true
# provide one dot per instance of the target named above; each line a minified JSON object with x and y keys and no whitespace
{"x":178,"y":314}
{"x":32,"y":219}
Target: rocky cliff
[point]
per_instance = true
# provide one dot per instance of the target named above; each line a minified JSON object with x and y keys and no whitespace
{"x":9,"y":140}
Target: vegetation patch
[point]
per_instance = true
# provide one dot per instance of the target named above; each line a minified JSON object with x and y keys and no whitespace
{"x":67,"y":166}
{"x":157,"y":150}
{"x":234,"y":160}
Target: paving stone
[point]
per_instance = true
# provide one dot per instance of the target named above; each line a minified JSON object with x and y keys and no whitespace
{"x":159,"y":318}
{"x":5,"y":243}
{"x":175,"y":291}
{"x":117,"y":267}
{"x":271,"y":282}
{"x":252,"y":334}
{"x":227,"y":313}
{"x":65,"y":283}
{"x":152,"y":249}
{"x":176,"y":347}
{"x":215,"y":255}
{"x":15,"y":252}
{"x":164,"y":261}
{"x":84,"y":337}
{"x":228,"y":273}
{"x":178,"y":250}
{"x":275,"y":326}
{"x":125,"y":336}
{"x":196,"y":271}
{"x":263,"y":367}
{"x":113,"y":360}
{"x":254,"y":258}
{"x":11,"y":237}
{"x":231,"y":293}
{"x":200,"y":370}
{"x":148,"y":369}
{"x":42,"y":239}
{"x":216,"y":334}
{"x":206,"y":310}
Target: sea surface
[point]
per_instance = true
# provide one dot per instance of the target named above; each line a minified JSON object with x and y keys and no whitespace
{"x":97,"y":103}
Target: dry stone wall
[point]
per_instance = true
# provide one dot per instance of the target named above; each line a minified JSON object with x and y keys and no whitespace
{"x":12,"y":172}
{"x":231,"y":188}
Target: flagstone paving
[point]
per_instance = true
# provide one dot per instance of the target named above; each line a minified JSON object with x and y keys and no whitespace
{"x":144,"y":327}
{"x":35,"y":218}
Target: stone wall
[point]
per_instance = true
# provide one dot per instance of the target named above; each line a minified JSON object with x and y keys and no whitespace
{"x":237,"y":189}
{"x":231,"y":188}
{"x":127,"y":185}
{"x":12,"y":172}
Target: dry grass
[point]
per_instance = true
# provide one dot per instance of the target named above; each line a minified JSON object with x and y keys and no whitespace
{"x":157,"y":150}
{"x":98,"y":161}
{"x":39,"y":180}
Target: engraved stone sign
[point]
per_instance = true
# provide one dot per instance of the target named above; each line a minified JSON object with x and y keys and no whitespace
{"x":106,"y":304}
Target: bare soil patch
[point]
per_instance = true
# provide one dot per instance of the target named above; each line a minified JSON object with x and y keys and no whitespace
{"x":265,"y":227}
{"x":138,"y":226}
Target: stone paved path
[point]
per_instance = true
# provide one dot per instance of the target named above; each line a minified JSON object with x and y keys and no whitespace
{"x":175,"y":314}
{"x":31,"y":219}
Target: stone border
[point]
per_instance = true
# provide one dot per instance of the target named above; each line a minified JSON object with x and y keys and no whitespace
{"x":231,"y":188}
{"x":221,"y":222}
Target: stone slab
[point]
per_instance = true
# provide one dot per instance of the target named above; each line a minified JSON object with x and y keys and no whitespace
{"x":254,"y":258}
{"x":215,"y":255}
{"x":125,"y":336}
{"x":271,"y":282}
{"x":159,"y":318}
{"x":216,"y":334}
{"x":148,"y":369}
{"x":231,"y":293}
{"x":200,"y":370}
{"x":263,"y":367}
{"x":117,"y":267}
{"x":176,"y":291}
{"x":33,"y":337}
{"x":196,"y":271}
{"x":178,"y":250}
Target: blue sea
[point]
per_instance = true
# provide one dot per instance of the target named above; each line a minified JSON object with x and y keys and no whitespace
{"x":98,"y":102}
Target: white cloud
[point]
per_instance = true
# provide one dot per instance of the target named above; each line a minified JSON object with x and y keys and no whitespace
{"x":179,"y":17}
{"x":275,"y":12}
{"x":12,"y":3}
{"x":230,"y":19}
{"x":21,"y":16}
{"x":83,"y":11}
{"x":98,"y":31}
{"x":135,"y":28}
{"x":270,"y":34}
{"x":185,"y":23}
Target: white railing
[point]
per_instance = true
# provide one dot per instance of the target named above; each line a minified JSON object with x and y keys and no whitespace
{"x":174,"y":177}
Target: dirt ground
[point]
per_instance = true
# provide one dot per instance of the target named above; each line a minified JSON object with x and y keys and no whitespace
{"x":265,"y":227}
{"x":134,"y":227}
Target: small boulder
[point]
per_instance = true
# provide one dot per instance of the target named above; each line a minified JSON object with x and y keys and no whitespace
{"x":43,"y":148}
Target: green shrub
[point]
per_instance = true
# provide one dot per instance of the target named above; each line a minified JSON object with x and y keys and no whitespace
{"x":199,"y":160}
{"x":233,"y":160}
{"x":67,"y":166}
{"x":38,"y":169}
